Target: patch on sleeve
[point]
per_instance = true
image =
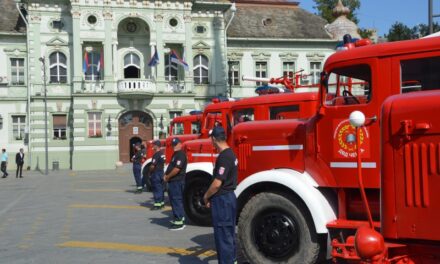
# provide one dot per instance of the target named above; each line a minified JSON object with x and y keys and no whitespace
{"x":178,"y":162}
{"x":221,"y":170}
{"x":236,"y":162}
{"x":153,"y":160}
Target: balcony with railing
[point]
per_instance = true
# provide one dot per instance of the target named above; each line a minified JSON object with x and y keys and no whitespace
{"x":136,"y":87}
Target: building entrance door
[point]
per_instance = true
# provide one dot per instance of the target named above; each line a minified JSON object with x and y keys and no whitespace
{"x":134,"y":127}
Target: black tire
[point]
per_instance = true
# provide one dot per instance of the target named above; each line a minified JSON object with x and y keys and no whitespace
{"x":146,"y":178}
{"x":193,"y":193}
{"x":274,"y":229}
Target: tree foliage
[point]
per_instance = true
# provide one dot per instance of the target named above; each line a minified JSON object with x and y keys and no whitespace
{"x":400,"y":31}
{"x":325,"y":9}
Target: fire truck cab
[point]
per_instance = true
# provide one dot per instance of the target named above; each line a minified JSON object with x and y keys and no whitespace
{"x":201,"y":154}
{"x":298,"y":189}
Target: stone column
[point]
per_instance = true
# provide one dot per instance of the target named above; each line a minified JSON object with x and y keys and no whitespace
{"x":108,"y":58}
{"x":35,"y":54}
{"x":78,"y":51}
{"x":160,"y":80}
{"x":189,"y":81}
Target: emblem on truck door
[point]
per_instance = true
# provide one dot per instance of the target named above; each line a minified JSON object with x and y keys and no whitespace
{"x":344,"y":140}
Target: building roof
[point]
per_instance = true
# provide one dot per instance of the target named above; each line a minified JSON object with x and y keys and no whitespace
{"x":276,"y":19}
{"x":10,"y":20}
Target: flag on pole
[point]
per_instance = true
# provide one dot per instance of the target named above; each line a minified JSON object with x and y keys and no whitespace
{"x":86,"y":62}
{"x":175,"y":58}
{"x":155,"y":59}
{"x":100,"y":62}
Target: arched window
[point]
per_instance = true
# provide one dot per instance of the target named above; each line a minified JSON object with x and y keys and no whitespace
{"x":170,"y":69}
{"x":201,"y":69}
{"x":132,"y":68}
{"x":58,"y":67}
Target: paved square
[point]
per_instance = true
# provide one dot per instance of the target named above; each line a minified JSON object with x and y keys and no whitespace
{"x":91,"y":217}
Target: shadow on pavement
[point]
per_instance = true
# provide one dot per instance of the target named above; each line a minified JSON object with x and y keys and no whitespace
{"x":203,"y":253}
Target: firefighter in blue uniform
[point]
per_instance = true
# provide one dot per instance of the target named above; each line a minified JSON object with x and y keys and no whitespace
{"x":156,"y":170}
{"x":221,"y":199}
{"x":175,"y":176}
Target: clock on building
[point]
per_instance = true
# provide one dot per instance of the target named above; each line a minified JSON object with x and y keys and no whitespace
{"x":131,"y":27}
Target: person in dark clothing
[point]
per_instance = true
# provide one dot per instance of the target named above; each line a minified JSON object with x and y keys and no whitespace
{"x":4,"y":163}
{"x":137,"y":166}
{"x":221,"y":199}
{"x":175,"y":176}
{"x":156,"y":170}
{"x":19,"y":160}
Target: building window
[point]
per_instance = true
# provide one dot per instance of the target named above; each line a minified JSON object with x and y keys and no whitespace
{"x":178,"y":127}
{"x":59,"y":126}
{"x":173,"y":22}
{"x":58,"y":67}
{"x":289,"y":69}
{"x":95,"y":124}
{"x":170,"y":69}
{"x":92,"y":19}
{"x":200,"y":29}
{"x":132,"y":68}
{"x":234,"y":73}
{"x":57,"y":24}
{"x":17,"y":71}
{"x":93,"y":65}
{"x":315,"y":72}
{"x":260,"y":70}
{"x":18,"y":125}
{"x":201,"y":69}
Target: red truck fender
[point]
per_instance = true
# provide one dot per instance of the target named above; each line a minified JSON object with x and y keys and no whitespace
{"x":303,"y":185}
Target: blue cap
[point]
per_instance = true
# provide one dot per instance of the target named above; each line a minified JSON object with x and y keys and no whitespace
{"x":217,"y":132}
{"x":156,"y":143}
{"x":175,"y":141}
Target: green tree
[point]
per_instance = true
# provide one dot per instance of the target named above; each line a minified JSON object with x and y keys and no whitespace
{"x":325,"y":9}
{"x":422,"y":30}
{"x":400,"y":31}
{"x":365,"y":32}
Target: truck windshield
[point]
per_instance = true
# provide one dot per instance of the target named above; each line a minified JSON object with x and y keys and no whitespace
{"x":420,"y":74}
{"x":243,"y":115}
{"x":349,"y":86}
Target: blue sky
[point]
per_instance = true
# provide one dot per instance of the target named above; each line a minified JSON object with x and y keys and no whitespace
{"x":381,"y":14}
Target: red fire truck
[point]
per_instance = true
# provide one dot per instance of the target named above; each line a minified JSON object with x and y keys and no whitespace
{"x":298,"y":188}
{"x":181,"y":125}
{"x":201,"y":154}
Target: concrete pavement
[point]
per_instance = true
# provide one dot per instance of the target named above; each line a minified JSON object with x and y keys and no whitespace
{"x":91,"y":217}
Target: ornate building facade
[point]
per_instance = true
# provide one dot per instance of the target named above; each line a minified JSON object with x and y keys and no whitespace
{"x":117,"y":71}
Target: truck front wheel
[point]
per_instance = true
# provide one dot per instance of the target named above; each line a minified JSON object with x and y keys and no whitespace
{"x":273,"y":229}
{"x":193,"y":193}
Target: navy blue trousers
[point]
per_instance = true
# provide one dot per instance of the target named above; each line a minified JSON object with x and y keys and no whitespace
{"x":175,"y":193}
{"x":157,"y":184}
{"x":137,"y":174}
{"x":224,"y":214}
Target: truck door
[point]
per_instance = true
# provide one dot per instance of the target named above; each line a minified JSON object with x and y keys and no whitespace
{"x":350,"y":88}
{"x":415,"y":135}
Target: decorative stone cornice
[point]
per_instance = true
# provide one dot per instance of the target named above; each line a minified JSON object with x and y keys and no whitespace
{"x":187,"y":18}
{"x":235,"y":56}
{"x":315,"y":57}
{"x":288,"y":56}
{"x":15,"y":51}
{"x":107,"y":14}
{"x":261,"y":56}
{"x":158,"y":17}
{"x":35,"y":19}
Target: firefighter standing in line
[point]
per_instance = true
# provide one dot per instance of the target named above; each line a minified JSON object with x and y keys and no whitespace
{"x":137,"y":167}
{"x":175,"y":176}
{"x":221,"y":199}
{"x":156,"y":169}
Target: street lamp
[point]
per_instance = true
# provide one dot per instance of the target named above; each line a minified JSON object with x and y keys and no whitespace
{"x":43,"y":68}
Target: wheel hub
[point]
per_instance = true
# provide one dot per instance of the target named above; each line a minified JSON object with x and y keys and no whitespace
{"x":275,"y":234}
